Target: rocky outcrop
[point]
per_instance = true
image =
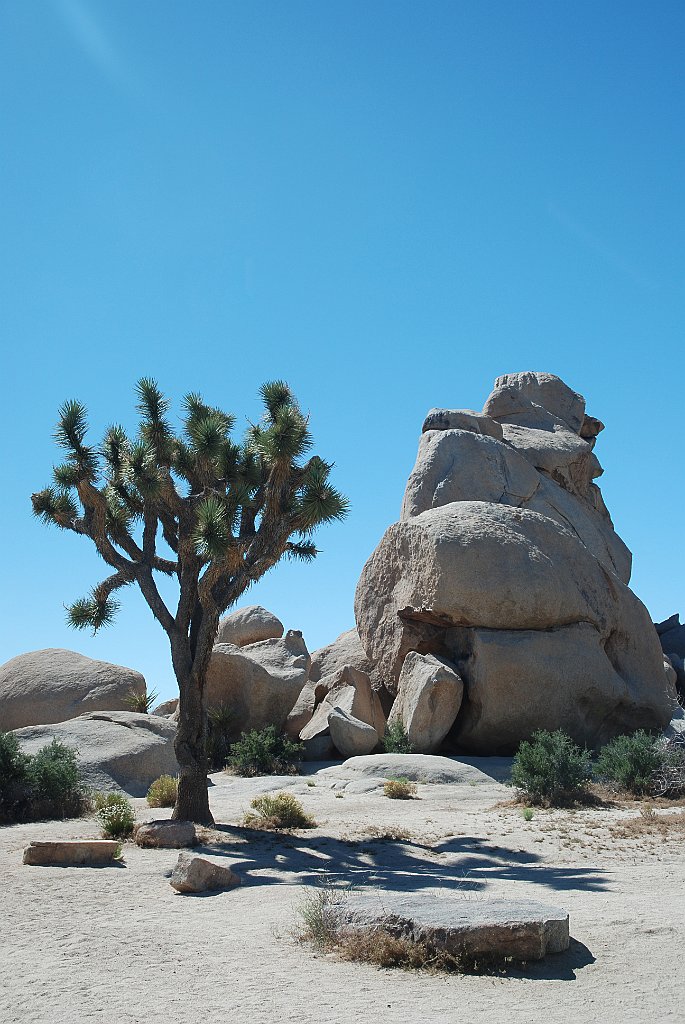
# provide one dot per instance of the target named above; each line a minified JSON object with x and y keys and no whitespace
{"x":429,"y":696}
{"x":258,"y":683}
{"x":505,"y":562}
{"x":349,"y":691}
{"x":116,"y":749}
{"x":346,"y":650}
{"x":249,"y":625}
{"x":54,"y":685}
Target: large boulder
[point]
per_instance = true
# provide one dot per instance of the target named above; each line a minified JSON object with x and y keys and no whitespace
{"x":506,"y":563}
{"x":259,"y":683}
{"x":346,"y":650}
{"x":351,"y":737}
{"x":117,"y":749}
{"x":54,"y":685}
{"x":249,"y":625}
{"x":429,"y":696}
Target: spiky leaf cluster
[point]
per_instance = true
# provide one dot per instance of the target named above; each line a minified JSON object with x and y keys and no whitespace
{"x":227,"y":511}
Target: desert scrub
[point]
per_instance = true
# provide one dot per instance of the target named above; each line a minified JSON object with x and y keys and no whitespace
{"x":630,"y":762}
{"x":141,"y":702}
{"x":162,"y":792}
{"x":527,"y":813}
{"x":395,"y":740}
{"x":264,"y":752}
{"x":47,"y":784}
{"x":281,"y":811}
{"x":116,"y":815}
{"x":399,"y":789}
{"x":550,"y":769}
{"x":318,"y":917}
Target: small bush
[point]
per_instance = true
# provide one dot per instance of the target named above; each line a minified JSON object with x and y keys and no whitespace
{"x":669,"y":779}
{"x":163,"y":792}
{"x":395,"y":740}
{"x":45,"y":785}
{"x":220,"y":729}
{"x":55,"y":778}
{"x":631,"y":761}
{"x":15,"y":788}
{"x":281,"y":811}
{"x":527,"y":814}
{"x":399,"y":789}
{"x":318,"y":913}
{"x":264,"y":752}
{"x":141,"y":702}
{"x":116,"y":815}
{"x":551,"y":769}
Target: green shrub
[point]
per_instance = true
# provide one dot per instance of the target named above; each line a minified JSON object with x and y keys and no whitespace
{"x":551,"y":769}
{"x":116,"y":815}
{"x":45,"y":785}
{"x":264,"y":752}
{"x":399,"y":789}
{"x":15,"y":788}
{"x":282,"y":810}
{"x":630,"y":761}
{"x":220,"y":729}
{"x":57,"y":787}
{"x":163,"y":792}
{"x":141,"y":702}
{"x":395,"y":740}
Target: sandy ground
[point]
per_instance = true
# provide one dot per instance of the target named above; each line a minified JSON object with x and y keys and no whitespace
{"x":119,"y":945}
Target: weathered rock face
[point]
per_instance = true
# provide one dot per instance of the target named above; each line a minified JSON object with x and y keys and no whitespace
{"x":429,"y":696}
{"x":117,"y":749}
{"x":54,"y":685}
{"x":166,"y":834}
{"x":506,"y":563}
{"x":349,"y":691}
{"x":249,"y":625}
{"x":672,"y":636}
{"x":346,"y":650}
{"x":259,"y":683}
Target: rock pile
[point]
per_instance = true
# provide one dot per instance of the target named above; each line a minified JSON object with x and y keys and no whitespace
{"x":506,"y":566}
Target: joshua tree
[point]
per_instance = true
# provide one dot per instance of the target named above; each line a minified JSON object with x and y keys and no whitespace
{"x":225,"y":513}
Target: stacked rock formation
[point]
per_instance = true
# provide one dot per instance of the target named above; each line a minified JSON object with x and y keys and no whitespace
{"x":505,"y":565}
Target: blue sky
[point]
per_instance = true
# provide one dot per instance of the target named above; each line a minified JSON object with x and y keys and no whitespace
{"x":387,"y":204}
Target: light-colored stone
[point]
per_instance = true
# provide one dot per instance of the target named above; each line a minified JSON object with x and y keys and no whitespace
{"x":429,"y":694}
{"x":350,"y":735}
{"x":518,"y":929}
{"x":249,"y":625}
{"x":197,"y":874}
{"x":71,"y":852}
{"x":54,"y":685}
{"x":167,"y":709}
{"x":505,"y":559}
{"x":117,"y":749}
{"x":346,"y":650}
{"x":462,"y":419}
{"x":165,"y":834}
{"x":260,"y":683}
{"x":426,"y":768}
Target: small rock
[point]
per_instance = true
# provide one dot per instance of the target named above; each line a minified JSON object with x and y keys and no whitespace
{"x":165,"y":834}
{"x":197,"y":874}
{"x":71,"y":853}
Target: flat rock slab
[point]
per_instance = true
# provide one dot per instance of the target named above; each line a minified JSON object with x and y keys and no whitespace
{"x":520,"y":929}
{"x":429,"y":768}
{"x":71,"y":853}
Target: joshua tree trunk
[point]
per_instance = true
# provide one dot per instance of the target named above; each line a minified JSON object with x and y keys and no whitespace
{"x":192,"y":802}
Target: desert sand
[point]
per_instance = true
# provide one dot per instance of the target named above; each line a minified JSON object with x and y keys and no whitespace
{"x":117,"y":944}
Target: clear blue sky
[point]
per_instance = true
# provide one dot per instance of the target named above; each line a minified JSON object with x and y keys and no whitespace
{"x":386,"y":203}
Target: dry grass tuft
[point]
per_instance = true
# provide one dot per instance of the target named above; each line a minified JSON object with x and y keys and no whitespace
{"x":649,"y":823}
{"x":388,"y":834}
{"x":282,"y":811}
{"x":399,"y":789}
